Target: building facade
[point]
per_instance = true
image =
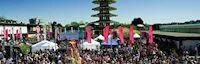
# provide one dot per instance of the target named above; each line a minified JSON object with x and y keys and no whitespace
{"x":185,"y":28}
{"x":178,"y":36}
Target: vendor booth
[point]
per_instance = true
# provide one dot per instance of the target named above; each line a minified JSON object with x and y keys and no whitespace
{"x":111,"y":42}
{"x":100,"y":37}
{"x":94,"y":45}
{"x":42,"y":45}
{"x":136,"y":36}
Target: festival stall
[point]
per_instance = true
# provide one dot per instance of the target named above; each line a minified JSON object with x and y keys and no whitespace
{"x":99,"y":37}
{"x":42,"y":45}
{"x":91,"y":46}
{"x":136,"y":35}
{"x":111,"y":41}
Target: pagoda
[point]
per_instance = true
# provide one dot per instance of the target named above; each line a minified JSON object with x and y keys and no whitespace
{"x":104,"y":13}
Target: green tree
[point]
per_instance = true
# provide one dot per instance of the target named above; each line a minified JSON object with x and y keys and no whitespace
{"x":2,"y":18}
{"x":24,"y":48}
{"x":67,"y":26}
{"x":75,"y":25}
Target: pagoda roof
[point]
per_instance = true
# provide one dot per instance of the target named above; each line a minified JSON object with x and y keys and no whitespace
{"x":110,"y":8}
{"x":109,"y":1}
{"x":99,"y":14}
{"x":105,"y":21}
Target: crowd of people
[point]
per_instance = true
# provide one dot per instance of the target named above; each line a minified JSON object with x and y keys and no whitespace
{"x":144,"y":54}
{"x":130,"y":55}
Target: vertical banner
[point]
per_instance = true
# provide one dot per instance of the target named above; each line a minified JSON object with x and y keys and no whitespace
{"x":56,"y":29}
{"x":58,"y":33}
{"x":65,"y":30}
{"x":17,"y":34}
{"x":72,"y":29}
{"x":131,"y":34}
{"x":6,"y":32}
{"x":38,"y":33}
{"x":88,"y":34}
{"x":13,"y":35}
{"x":27,"y":36}
{"x":49,"y":32}
{"x":20,"y":33}
{"x":10,"y":34}
{"x":45,"y":36}
{"x":106,"y":33}
{"x":150,"y":33}
{"x":121,"y":34}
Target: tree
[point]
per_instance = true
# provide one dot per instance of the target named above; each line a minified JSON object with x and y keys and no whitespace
{"x":75,"y":25}
{"x":67,"y":26}
{"x":137,"y":21}
{"x":2,"y":18}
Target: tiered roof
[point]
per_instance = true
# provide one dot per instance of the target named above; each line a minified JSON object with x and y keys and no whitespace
{"x":99,"y":8}
{"x":108,"y":1}
{"x":108,"y":14}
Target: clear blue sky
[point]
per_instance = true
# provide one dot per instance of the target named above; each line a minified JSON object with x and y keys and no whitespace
{"x":66,"y":11}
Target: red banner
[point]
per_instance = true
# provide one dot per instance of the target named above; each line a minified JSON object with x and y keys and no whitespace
{"x":17,"y":34}
{"x":88,"y":34}
{"x":106,"y":33}
{"x":131,"y":34}
{"x":150,"y":34}
{"x":121,"y":34}
{"x":27,"y":36}
{"x":6,"y":34}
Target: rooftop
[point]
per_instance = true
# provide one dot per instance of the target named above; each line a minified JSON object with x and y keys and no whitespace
{"x":176,"y":34}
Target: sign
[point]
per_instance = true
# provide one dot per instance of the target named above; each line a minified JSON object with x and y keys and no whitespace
{"x":70,"y":35}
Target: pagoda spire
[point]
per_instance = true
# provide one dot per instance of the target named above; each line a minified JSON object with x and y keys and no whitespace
{"x":104,"y":12}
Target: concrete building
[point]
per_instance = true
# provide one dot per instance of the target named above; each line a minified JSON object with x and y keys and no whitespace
{"x":178,"y":36}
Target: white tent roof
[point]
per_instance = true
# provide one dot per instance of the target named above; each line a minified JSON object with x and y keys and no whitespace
{"x":93,"y":45}
{"x":136,"y":36}
{"x":99,"y":37}
{"x":44,"y":45}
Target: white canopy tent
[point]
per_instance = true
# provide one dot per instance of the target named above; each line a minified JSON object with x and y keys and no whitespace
{"x":99,"y":37}
{"x":91,"y":46}
{"x":42,"y":45}
{"x":136,"y":36}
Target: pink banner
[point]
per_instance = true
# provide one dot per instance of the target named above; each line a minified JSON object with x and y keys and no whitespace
{"x":88,"y":34}
{"x":58,"y":33}
{"x":121,"y":34}
{"x":150,"y":34}
{"x":17,"y":34}
{"x":131,"y":34}
{"x":106,"y":33}
{"x":6,"y":34}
